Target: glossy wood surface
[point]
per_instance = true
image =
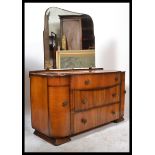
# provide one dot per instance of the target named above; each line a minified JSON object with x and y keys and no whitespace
{"x":58,"y":81}
{"x":59,"y":110}
{"x":123,"y":91}
{"x":68,"y":72}
{"x":54,"y":141}
{"x":71,"y":102}
{"x":86,"y":99}
{"x":94,"y":81}
{"x":95,"y":117}
{"x":39,"y":104}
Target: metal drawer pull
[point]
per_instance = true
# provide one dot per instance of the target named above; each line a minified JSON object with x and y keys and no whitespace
{"x":87,"y":82}
{"x":113,"y":112}
{"x":114,"y":95}
{"x":65,"y":103}
{"x":84,"y":121}
{"x":84,"y":100}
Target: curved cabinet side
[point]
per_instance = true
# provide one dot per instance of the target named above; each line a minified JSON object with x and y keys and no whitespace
{"x":59,"y":111}
{"x":39,"y":104}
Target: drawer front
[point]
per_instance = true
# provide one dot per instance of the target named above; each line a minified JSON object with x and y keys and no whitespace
{"x":94,"y":80}
{"x":95,"y":117}
{"x":85,"y":99}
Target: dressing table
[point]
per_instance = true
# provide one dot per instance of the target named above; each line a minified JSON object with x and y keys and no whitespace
{"x":68,"y":101}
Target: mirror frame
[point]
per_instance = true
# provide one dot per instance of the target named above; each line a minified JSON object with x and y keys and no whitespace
{"x":47,"y":64}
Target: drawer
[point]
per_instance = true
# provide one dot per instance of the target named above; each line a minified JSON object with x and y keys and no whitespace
{"x":85,"y":99}
{"x":94,"y":80}
{"x":95,"y":117}
{"x":58,"y":81}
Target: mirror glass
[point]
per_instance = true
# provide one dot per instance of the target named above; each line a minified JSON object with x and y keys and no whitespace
{"x":66,"y":31}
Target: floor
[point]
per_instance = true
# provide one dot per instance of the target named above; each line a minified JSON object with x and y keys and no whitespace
{"x":113,"y":137}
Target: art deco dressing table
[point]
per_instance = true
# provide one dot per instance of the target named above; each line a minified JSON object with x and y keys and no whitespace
{"x":68,"y":101}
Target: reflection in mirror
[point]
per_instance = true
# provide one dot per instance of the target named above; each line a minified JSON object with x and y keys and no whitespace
{"x":67,"y":31}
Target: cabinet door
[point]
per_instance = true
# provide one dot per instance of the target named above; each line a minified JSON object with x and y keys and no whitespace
{"x":72,"y":29}
{"x":59,"y":111}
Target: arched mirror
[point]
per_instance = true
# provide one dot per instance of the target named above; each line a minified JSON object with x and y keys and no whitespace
{"x":69,"y":40}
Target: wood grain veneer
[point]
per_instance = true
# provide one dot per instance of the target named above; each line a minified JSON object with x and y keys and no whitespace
{"x":67,"y":102}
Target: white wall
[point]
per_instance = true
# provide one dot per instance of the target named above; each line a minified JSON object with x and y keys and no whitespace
{"x":111,"y":29}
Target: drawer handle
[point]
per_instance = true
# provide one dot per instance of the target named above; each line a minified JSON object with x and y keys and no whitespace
{"x":114,"y":95}
{"x":113,"y":112}
{"x":65,"y":103}
{"x":87,"y":82}
{"x":84,"y":121}
{"x":84,"y":100}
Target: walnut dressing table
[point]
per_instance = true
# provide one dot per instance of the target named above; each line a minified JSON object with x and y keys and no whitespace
{"x":66,"y":102}
{"x":70,"y":101}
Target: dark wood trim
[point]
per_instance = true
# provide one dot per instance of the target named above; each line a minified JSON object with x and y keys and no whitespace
{"x":51,"y":140}
{"x":119,"y":120}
